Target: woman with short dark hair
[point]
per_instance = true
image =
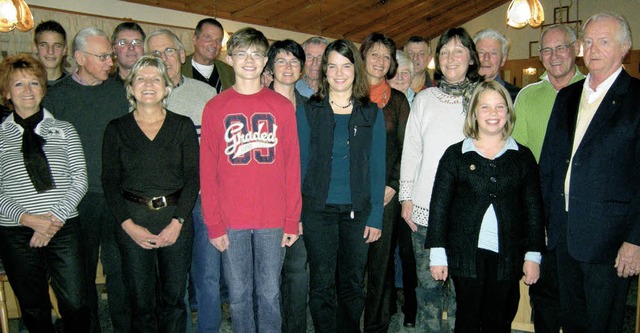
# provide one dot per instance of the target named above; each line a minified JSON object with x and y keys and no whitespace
{"x":435,"y":122}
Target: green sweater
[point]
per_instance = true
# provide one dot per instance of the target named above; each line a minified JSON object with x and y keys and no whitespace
{"x":533,"y":108}
{"x":89,"y":109}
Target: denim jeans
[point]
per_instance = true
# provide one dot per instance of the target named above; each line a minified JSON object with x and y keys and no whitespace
{"x":205,"y":274}
{"x":335,"y":244}
{"x":29,"y":269}
{"x":294,"y":288}
{"x":252,"y":265}
{"x":433,"y":296}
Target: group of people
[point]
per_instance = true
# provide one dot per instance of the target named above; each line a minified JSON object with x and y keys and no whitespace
{"x":284,"y":177}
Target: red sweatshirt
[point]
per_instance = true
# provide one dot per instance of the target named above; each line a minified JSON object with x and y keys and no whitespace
{"x":250,"y":163}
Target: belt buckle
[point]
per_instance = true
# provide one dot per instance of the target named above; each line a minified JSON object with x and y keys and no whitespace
{"x":157,"y":203}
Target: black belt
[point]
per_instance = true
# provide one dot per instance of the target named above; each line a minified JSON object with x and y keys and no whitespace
{"x":155,"y":203}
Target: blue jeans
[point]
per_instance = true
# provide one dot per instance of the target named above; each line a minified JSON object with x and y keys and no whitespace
{"x":335,"y":245}
{"x":433,"y":296}
{"x":252,"y":266}
{"x":205,"y":274}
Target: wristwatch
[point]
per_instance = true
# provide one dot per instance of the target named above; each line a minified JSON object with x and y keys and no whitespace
{"x":180,"y":219}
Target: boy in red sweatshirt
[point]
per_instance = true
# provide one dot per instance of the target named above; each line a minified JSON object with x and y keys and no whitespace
{"x":250,"y":181}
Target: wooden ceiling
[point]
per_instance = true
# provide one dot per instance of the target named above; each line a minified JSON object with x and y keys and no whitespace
{"x":350,"y":19}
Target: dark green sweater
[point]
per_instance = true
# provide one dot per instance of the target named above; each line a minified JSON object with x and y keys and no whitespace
{"x":89,"y":109}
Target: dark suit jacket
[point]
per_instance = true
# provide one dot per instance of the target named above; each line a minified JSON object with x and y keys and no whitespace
{"x":604,"y":198}
{"x":227,"y":76}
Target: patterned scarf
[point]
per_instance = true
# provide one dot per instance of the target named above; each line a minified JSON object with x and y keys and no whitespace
{"x":35,"y":161}
{"x":464,"y":89}
{"x":380,"y":93}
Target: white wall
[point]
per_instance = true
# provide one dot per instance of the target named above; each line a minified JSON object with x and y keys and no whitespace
{"x":520,"y":38}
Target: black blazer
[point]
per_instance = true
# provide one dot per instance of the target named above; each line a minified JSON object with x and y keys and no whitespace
{"x":465,"y":186}
{"x":604,"y":201}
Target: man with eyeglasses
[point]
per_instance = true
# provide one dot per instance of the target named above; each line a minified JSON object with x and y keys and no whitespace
{"x":188,"y":98}
{"x":128,"y":45}
{"x":493,"y":47}
{"x":89,"y":99}
{"x":590,"y":181}
{"x":50,"y":46}
{"x":533,"y":108}
{"x":203,"y":64}
{"x":313,"y":51}
{"x":419,"y":51}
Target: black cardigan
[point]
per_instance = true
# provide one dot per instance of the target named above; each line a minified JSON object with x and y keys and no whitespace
{"x":465,"y":186}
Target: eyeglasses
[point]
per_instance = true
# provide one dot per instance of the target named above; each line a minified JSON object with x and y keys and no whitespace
{"x":102,"y":57}
{"x":245,"y":55}
{"x":168,"y":52}
{"x":133,"y":42}
{"x":560,"y":49}
{"x":312,"y":59}
{"x":284,"y":62}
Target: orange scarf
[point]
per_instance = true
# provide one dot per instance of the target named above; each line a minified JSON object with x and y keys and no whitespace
{"x":380,"y":93}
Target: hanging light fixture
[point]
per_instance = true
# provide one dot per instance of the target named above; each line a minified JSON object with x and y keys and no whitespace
{"x":523,"y":12}
{"x":15,"y":14}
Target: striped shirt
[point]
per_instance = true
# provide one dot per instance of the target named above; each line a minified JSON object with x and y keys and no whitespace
{"x":66,"y":160}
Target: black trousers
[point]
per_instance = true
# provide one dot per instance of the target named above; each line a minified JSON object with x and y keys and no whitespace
{"x":97,"y":231}
{"x":156,"y":278}
{"x":485,"y":304}
{"x":381,"y":289}
{"x":592,"y":296}
{"x":29,"y":269}
{"x":545,"y":296}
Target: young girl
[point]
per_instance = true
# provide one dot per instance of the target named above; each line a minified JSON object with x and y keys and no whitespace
{"x":485,"y":222}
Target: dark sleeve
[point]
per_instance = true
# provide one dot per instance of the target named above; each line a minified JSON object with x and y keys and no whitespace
{"x":442,"y":198}
{"x":112,"y":172}
{"x":190,"y":168}
{"x":402,"y":114}
{"x":377,"y":172}
{"x":532,"y":203}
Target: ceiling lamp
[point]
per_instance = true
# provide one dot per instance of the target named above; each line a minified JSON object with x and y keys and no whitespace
{"x":523,"y":12}
{"x":15,"y":14}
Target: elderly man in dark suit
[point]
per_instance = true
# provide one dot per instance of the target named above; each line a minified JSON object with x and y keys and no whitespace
{"x":590,"y":174}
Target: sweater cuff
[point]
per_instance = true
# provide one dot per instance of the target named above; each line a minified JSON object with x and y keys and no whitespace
{"x":438,"y":257}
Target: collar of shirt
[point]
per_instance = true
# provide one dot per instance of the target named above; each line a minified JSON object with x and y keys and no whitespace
{"x":576,"y":76}
{"x":76,"y":77}
{"x":602,"y":88}
{"x":468,"y":146}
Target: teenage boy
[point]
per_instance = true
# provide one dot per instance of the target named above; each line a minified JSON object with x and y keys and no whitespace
{"x":50,"y":46}
{"x":250,"y":174}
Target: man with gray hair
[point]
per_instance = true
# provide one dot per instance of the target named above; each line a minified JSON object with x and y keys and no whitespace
{"x":590,"y":182}
{"x":89,"y":99}
{"x":313,"y":51}
{"x":493,"y":47}
{"x":558,"y":50}
{"x":188,"y":98}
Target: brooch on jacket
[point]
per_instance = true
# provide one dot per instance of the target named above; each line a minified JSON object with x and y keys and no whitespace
{"x":55,"y":132}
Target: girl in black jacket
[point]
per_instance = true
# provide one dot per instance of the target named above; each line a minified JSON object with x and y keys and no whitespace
{"x":485,"y":223}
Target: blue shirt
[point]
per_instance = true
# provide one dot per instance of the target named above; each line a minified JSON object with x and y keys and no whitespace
{"x":304,"y":88}
{"x":340,"y":184}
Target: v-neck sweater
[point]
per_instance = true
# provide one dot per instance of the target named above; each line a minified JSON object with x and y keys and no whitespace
{"x":134,"y":163}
